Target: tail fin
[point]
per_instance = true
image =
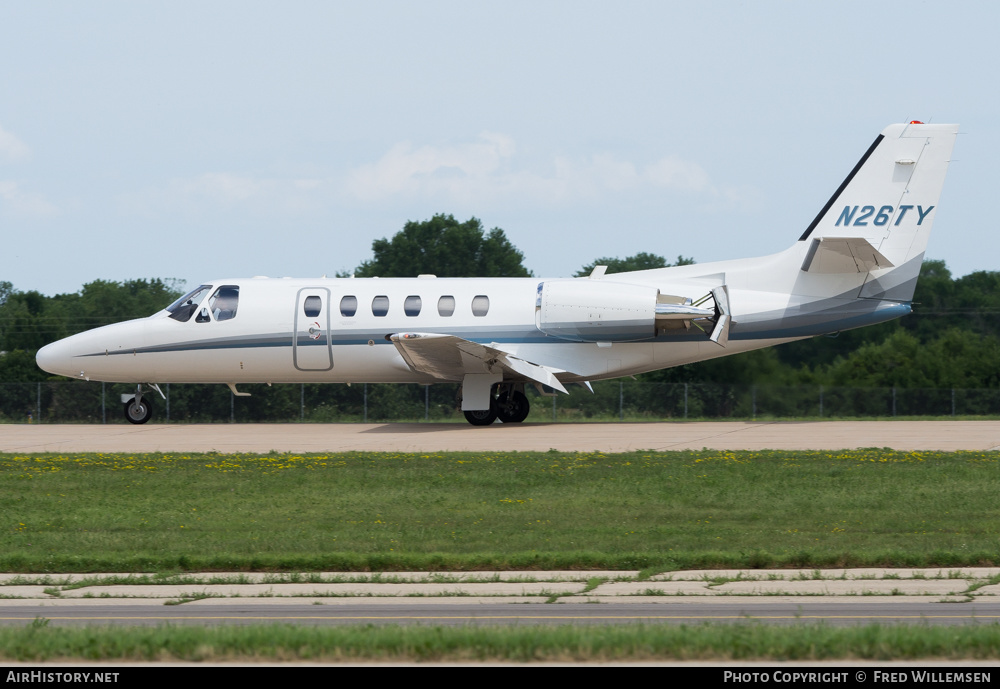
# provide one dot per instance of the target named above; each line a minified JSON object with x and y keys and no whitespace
{"x":880,"y":218}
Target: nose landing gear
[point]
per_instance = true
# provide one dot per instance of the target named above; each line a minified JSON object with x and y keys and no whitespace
{"x":137,"y":408}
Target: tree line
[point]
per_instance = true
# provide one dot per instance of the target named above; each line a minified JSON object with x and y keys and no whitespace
{"x":951,"y":340}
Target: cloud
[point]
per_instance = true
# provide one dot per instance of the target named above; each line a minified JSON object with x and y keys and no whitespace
{"x":226,"y":191}
{"x":12,"y":149}
{"x":449,"y":169}
{"x":484,"y":170}
{"x":224,"y":187}
{"x":482,"y":173}
{"x":21,"y":202}
{"x":674,"y":173}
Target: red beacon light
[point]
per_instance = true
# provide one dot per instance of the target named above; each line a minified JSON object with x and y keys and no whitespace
{"x":915,"y":122}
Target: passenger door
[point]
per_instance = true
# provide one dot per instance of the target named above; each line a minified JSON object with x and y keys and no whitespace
{"x":311,"y":346}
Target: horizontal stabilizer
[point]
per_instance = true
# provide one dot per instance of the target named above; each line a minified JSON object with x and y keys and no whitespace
{"x":448,"y":357}
{"x":843,"y":255}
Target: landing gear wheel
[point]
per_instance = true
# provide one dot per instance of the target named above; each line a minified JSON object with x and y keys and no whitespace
{"x":138,"y":413}
{"x":482,"y":417}
{"x":513,"y":407}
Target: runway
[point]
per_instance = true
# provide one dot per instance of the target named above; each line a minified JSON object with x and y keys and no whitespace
{"x":567,"y":437}
{"x":479,"y":613}
{"x":959,"y":596}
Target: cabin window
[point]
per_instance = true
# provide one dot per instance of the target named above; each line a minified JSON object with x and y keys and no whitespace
{"x":446,"y":305}
{"x":411,"y":307}
{"x":223,"y":303}
{"x":480,"y":305}
{"x":313,"y":305}
{"x":380,"y":305}
{"x":182,"y":309}
{"x":348,"y":306}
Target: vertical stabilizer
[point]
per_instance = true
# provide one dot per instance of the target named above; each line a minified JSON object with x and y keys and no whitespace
{"x":887,"y":202}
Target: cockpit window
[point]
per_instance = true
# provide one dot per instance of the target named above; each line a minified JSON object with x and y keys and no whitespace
{"x":182,"y":309}
{"x":223,"y":303}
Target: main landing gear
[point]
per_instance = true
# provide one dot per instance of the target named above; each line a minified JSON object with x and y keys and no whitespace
{"x":507,"y":403}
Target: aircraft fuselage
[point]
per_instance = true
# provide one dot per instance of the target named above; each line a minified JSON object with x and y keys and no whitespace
{"x":856,"y":264}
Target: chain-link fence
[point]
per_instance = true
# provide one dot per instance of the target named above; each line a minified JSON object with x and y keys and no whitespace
{"x":82,"y":402}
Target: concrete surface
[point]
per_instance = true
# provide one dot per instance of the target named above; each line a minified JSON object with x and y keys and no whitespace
{"x":582,"y":437}
{"x":874,"y":585}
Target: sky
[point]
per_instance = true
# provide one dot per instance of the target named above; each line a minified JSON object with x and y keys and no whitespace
{"x":209,"y":139}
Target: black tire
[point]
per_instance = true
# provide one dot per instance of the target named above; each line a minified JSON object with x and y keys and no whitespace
{"x":513,"y":408}
{"x":482,"y":417}
{"x":138,"y":413}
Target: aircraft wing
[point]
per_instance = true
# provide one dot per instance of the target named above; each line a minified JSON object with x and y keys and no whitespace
{"x":449,"y":358}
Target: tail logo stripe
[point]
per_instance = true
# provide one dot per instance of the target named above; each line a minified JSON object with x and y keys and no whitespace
{"x":840,"y":189}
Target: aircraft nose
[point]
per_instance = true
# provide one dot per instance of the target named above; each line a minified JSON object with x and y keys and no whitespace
{"x":55,"y":358}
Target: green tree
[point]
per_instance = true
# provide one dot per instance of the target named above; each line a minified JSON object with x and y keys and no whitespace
{"x":760,"y":366}
{"x":444,"y":247}
{"x":954,"y":359}
{"x":24,"y":324}
{"x":30,"y":320}
{"x":641,"y":261}
{"x":105,"y":302}
{"x":19,"y":366}
{"x":897,"y":361}
{"x":971,"y":302}
{"x":6,"y":289}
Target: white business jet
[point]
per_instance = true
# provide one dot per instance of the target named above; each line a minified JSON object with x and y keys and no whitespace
{"x":856,"y":264}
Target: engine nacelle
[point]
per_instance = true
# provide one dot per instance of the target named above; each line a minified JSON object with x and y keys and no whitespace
{"x":596,"y":310}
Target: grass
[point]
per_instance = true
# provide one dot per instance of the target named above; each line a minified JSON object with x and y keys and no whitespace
{"x":383,"y":512}
{"x":371,"y":513}
{"x":40,"y":641}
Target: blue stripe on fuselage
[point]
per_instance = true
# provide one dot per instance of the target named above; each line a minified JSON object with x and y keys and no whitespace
{"x":794,"y":326}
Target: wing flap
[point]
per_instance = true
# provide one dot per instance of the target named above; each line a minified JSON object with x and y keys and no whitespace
{"x":433,"y":354}
{"x":448,"y":357}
